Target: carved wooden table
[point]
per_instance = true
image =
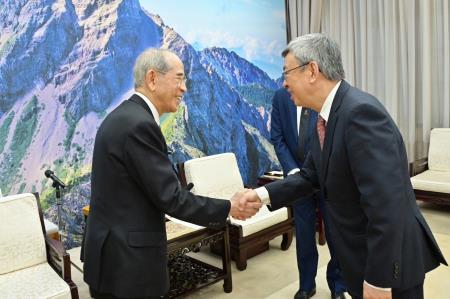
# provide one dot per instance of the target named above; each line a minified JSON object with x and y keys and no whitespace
{"x":186,"y":273}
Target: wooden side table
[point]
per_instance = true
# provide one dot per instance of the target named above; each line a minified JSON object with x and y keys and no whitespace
{"x":188,"y":274}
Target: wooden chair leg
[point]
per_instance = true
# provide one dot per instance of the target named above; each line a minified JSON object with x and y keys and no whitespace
{"x":287,"y":240}
{"x":241,"y":260}
{"x":226,"y":262}
{"x":321,"y":229}
{"x":73,"y":291}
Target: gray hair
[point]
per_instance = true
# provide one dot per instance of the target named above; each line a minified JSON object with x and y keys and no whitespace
{"x":152,"y":58}
{"x":319,"y":48}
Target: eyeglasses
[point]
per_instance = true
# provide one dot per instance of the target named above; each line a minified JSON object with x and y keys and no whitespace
{"x":285,"y":73}
{"x":180,"y":80}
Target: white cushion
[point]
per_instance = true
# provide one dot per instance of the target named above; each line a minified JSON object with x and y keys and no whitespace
{"x":214,"y":176}
{"x":39,"y":281}
{"x":439,"y":152}
{"x":22,"y":241}
{"x":262,"y":220}
{"x":432,"y":180}
{"x":218,"y":176}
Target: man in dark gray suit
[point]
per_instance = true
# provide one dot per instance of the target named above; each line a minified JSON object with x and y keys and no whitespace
{"x":358,"y":161}
{"x":133,"y":186}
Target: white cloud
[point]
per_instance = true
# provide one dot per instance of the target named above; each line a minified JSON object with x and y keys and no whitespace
{"x":253,"y":47}
{"x":210,"y":38}
{"x":259,"y":49}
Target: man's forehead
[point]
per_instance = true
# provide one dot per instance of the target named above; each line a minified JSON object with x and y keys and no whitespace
{"x":289,"y":59}
{"x":176,"y":65}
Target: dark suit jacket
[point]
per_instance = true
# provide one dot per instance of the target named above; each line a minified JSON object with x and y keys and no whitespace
{"x":378,"y":231}
{"x":133,"y":185}
{"x":283,"y":132}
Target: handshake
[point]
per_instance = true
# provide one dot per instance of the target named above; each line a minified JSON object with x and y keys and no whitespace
{"x":245,"y":204}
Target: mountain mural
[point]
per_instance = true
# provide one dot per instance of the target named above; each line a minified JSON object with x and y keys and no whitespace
{"x":65,"y":64}
{"x":252,"y":83}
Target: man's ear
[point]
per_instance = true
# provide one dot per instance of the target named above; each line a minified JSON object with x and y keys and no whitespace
{"x":314,"y":71}
{"x":151,"y":79}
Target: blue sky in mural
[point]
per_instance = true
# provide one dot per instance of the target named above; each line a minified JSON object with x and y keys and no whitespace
{"x":254,"y":29}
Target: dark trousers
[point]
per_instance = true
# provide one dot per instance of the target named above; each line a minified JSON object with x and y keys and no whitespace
{"x":97,"y":295}
{"x":307,"y":256}
{"x":411,"y":293}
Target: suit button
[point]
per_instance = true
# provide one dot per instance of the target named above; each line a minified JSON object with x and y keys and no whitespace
{"x":396,"y":270}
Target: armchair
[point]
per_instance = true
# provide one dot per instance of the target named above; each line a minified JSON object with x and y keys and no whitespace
{"x":218,"y":176}
{"x":430,"y":176}
{"x":32,"y":265}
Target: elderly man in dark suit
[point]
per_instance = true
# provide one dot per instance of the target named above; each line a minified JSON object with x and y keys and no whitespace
{"x":133,"y":186}
{"x":291,"y":130}
{"x":358,"y":161}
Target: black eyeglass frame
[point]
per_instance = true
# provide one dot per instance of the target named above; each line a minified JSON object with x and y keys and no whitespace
{"x":294,"y":68}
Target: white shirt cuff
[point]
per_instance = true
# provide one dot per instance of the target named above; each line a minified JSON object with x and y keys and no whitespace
{"x":263,"y":195}
{"x":378,"y":288}
{"x":295,"y":170}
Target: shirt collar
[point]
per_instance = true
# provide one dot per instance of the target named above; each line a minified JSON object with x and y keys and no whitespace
{"x":151,"y":106}
{"x":326,"y":107}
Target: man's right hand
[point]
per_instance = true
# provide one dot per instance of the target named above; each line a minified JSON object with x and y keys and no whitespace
{"x":245,"y":204}
{"x":370,"y":292}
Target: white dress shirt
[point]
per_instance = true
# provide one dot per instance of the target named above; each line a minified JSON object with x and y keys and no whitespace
{"x":299,"y":115}
{"x":326,"y":107}
{"x":151,"y":106}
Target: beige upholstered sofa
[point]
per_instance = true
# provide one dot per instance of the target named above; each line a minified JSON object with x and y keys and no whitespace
{"x":218,"y":176}
{"x":29,"y":260}
{"x":431,"y":176}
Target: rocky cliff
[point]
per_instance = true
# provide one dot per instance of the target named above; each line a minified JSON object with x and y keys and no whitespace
{"x":65,"y":64}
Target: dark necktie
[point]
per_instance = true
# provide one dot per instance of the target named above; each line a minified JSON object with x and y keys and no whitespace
{"x":321,"y":123}
{"x":303,"y":133}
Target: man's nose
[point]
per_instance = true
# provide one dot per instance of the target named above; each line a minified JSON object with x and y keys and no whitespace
{"x":183,"y":86}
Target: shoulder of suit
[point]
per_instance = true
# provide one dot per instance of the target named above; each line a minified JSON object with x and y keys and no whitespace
{"x":360,"y":97}
{"x":135,"y":111}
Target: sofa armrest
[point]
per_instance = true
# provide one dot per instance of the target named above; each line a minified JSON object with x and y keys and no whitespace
{"x":418,"y":166}
{"x":58,"y":258}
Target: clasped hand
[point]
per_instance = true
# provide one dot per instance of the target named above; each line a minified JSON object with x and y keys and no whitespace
{"x":244,"y":204}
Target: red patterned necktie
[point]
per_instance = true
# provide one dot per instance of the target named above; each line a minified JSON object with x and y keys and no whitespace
{"x":321,"y":130}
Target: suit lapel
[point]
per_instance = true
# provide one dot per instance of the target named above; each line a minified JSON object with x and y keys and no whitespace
{"x":141,"y":102}
{"x":330,"y":127}
{"x":312,"y":126}
{"x":293,"y":116}
{"x":138,"y":100}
